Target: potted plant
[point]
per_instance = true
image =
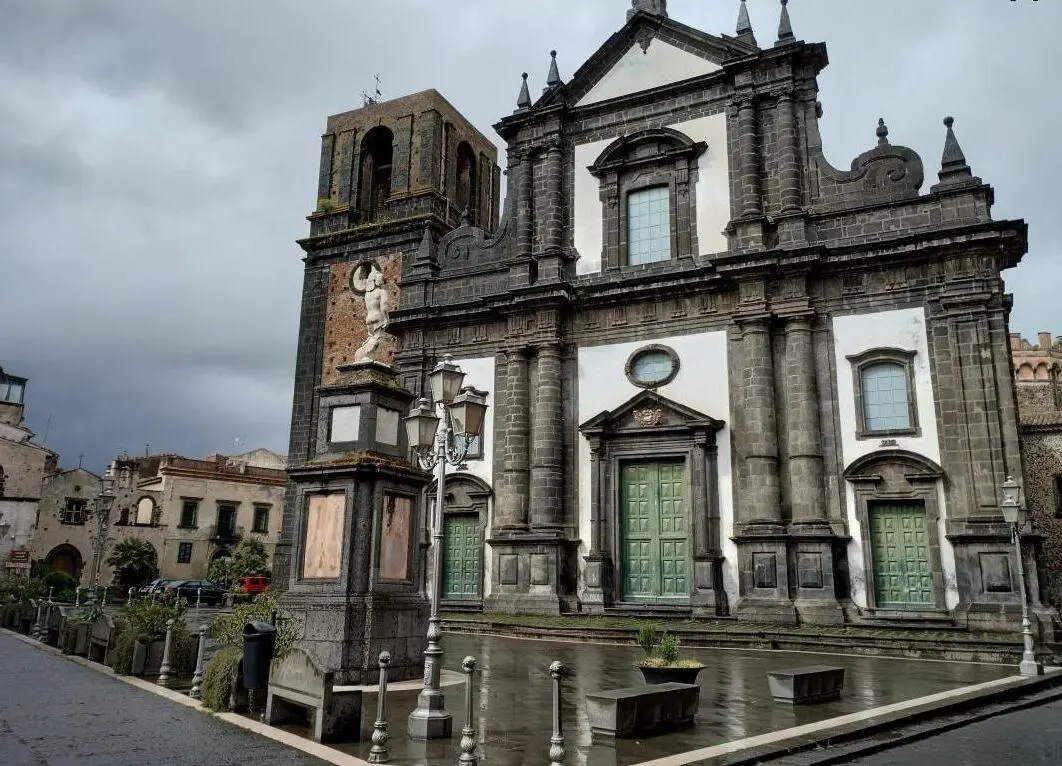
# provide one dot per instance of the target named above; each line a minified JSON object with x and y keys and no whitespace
{"x":662,"y":663}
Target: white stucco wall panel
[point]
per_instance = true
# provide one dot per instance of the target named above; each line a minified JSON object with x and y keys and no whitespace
{"x":661,"y":64}
{"x":712,"y":192}
{"x":701,"y":384}
{"x":853,"y":334}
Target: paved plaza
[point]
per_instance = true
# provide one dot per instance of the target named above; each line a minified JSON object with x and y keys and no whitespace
{"x":54,"y":712}
{"x":513,"y":699}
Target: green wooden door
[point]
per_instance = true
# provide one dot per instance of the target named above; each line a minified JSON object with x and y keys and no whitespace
{"x":462,"y":554}
{"x":655,"y":529}
{"x":903,"y":578}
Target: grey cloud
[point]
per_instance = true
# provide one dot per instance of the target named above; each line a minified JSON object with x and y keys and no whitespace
{"x":157,"y":160}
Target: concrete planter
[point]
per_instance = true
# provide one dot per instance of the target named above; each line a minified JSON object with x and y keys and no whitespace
{"x":667,"y":675}
{"x":147,"y":658}
{"x":808,"y":685}
{"x":641,"y":710}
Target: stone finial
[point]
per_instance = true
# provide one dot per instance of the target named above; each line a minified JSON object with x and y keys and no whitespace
{"x":882,"y":132}
{"x":553,"y":78}
{"x":523,"y":102}
{"x":655,"y":7}
{"x":425,"y":255}
{"x":953,"y":168}
{"x":785,"y":26}
{"x":744,"y":25}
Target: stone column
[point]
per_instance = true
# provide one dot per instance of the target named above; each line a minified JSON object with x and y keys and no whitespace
{"x":511,"y":514}
{"x":547,"y":445}
{"x":760,"y":433}
{"x":806,"y":488}
{"x":555,"y":219}
{"x":524,"y":210}
{"x":750,"y":165}
{"x":788,"y":165}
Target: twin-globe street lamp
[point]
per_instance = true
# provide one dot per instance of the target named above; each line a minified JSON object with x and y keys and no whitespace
{"x":104,"y":501}
{"x":438,"y":442}
{"x":1015,"y":515}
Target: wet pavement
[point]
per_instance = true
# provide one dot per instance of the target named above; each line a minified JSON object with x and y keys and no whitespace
{"x":514,"y":698}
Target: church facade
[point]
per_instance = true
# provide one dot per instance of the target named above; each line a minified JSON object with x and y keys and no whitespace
{"x":725,"y":377}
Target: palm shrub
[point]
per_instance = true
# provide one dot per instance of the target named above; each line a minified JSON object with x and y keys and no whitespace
{"x":134,"y":563}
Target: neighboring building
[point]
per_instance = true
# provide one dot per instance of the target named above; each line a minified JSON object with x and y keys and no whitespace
{"x":191,"y":511}
{"x":1038,"y":372}
{"x":726,"y":377}
{"x":23,"y":465}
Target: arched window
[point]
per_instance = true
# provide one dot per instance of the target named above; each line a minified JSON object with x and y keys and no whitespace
{"x":145,"y":509}
{"x":885,"y":393}
{"x":465,"y":197}
{"x":375,"y":178}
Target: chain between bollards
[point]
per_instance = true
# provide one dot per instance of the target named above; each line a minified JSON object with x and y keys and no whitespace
{"x":196,"y":692}
{"x":378,"y":753}
{"x":164,"y":671}
{"x":556,"y":742}
{"x":469,"y":757}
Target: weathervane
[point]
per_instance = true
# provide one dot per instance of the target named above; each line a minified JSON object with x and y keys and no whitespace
{"x":375,"y":97}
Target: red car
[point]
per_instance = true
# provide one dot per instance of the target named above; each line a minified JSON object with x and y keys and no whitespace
{"x":252,"y":586}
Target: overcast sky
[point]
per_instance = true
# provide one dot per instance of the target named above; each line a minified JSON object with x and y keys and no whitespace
{"x":157,"y":159}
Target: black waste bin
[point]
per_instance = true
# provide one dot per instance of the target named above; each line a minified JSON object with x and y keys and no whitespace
{"x":259,"y":638}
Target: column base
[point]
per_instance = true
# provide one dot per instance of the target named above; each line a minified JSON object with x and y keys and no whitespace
{"x":819,"y":612}
{"x":528,"y":575}
{"x":430,"y":724}
{"x":780,"y":612}
{"x":1030,"y":667}
{"x":597,"y":593}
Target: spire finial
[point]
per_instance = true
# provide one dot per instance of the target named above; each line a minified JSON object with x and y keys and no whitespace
{"x":425,"y":256}
{"x":953,"y":168}
{"x":744,"y":25}
{"x":656,"y":7}
{"x":524,"y":100}
{"x":882,"y":132}
{"x":785,"y":26}
{"x":553,"y":78}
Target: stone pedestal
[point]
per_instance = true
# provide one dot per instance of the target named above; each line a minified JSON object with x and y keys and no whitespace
{"x":528,"y":574}
{"x":763,"y":575}
{"x":811,"y":562}
{"x":355,"y":580}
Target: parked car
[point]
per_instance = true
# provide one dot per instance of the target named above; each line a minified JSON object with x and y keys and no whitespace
{"x":153,"y":588}
{"x":203,"y":591}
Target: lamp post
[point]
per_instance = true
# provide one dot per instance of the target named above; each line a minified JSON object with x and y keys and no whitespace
{"x":439,"y":441}
{"x":1014,"y":514}
{"x":104,"y":501}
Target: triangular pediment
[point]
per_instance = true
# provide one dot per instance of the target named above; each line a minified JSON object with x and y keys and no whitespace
{"x":649,"y":52}
{"x":649,"y":410}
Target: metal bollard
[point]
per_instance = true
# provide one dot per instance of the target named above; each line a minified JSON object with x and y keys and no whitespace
{"x":164,"y":671}
{"x":378,"y":753}
{"x":468,"y":731}
{"x":104,"y":602}
{"x":556,"y":742}
{"x":196,"y":692}
{"x":77,"y":596}
{"x":35,"y":632}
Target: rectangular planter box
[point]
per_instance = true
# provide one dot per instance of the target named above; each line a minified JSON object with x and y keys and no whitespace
{"x":807,"y":685}
{"x":640,"y":710}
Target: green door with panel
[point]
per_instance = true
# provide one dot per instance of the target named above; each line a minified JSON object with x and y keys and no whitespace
{"x":655,"y":532}
{"x":463,"y":552}
{"x":903,"y":578}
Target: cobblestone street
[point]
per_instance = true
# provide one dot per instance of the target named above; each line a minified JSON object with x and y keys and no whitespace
{"x":54,"y":712}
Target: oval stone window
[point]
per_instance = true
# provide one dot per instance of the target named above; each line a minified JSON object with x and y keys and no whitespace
{"x":652,"y":366}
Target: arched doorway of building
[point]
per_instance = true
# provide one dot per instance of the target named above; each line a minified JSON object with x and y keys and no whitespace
{"x":65,"y":558}
{"x":464,"y":521}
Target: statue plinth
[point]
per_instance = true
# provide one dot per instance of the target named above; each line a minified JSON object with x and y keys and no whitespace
{"x":356,"y":579}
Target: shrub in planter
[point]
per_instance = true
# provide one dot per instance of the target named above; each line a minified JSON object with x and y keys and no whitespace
{"x":217,"y":678}
{"x":662,"y":662}
{"x":145,"y":622}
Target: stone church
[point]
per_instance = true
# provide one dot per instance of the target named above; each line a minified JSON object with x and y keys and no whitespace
{"x":725,"y":377}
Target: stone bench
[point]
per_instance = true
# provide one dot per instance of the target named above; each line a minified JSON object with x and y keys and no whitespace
{"x":639,"y":710}
{"x":296,"y":680}
{"x":806,"y":685}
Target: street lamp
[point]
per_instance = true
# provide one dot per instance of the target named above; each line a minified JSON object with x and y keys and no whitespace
{"x":1014,"y":514}
{"x":438,"y":442}
{"x":104,"y":501}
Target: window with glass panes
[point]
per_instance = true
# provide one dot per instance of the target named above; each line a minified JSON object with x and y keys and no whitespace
{"x":261,"y":519}
{"x":648,"y":226}
{"x":189,"y":514}
{"x":885,"y":400}
{"x":184,"y":553}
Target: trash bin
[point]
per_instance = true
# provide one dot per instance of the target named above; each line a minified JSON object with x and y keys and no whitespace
{"x":259,"y":638}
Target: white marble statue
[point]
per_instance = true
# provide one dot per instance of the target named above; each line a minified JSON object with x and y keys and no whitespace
{"x":367,"y":280}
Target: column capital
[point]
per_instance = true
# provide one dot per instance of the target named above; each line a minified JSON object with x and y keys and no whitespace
{"x":799,"y":322}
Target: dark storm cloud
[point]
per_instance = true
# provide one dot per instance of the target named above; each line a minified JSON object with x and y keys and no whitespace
{"x":157,"y":159}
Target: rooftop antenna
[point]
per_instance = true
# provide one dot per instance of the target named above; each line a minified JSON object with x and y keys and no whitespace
{"x":375,"y":97}
{"x":79,"y":459}
{"x":147,"y":450}
{"x":47,"y":428}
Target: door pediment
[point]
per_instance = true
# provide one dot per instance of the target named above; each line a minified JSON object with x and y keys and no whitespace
{"x":648,"y":411}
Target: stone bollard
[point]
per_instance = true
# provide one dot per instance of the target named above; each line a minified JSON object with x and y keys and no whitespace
{"x":196,"y":692}
{"x":164,"y":671}
{"x":468,"y":731}
{"x":556,"y":742}
{"x":378,"y":753}
{"x":77,"y":596}
{"x":36,"y":630}
{"x":104,"y":602}
{"x":130,"y":595}
{"x":49,"y":595}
